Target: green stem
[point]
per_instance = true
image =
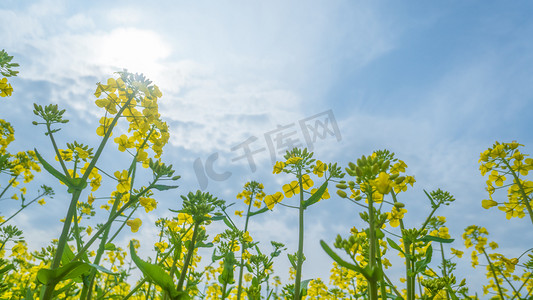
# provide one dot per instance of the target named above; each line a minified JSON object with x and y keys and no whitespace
{"x":101,"y":247}
{"x":76,"y":194}
{"x":188,"y":258}
{"x":408,"y":263}
{"x":49,"y":289}
{"x":372,"y":282}
{"x":56,"y":149}
{"x":444,"y":273}
{"x":297,"y":280}
{"x":224,"y":286}
{"x":494,"y":274}
{"x":8,"y":186}
{"x":241,"y":267}
{"x":23,"y":207}
{"x":111,"y":219}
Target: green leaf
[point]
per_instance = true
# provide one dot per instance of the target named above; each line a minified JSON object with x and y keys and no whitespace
{"x":67,"y":256}
{"x":262,"y":210}
{"x":155,"y":273}
{"x":204,"y":245}
{"x":394,"y":245}
{"x":217,"y":218}
{"x":7,"y":269}
{"x":71,"y":270}
{"x":77,"y":184}
{"x":51,"y":169}
{"x":104,"y":270}
{"x":433,"y":204}
{"x":291,"y":260}
{"x":452,"y":293}
{"x":421,"y":265}
{"x":316,"y":196}
{"x":229,"y":224}
{"x":343,"y":263}
{"x":428,"y":238}
{"x":110,"y":246}
{"x":161,"y":187}
{"x":303,"y":286}
{"x":29,"y":294}
{"x":227,"y":276}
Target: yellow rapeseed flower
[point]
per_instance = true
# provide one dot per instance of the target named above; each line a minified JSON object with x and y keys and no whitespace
{"x":134,"y":224}
{"x":291,"y":189}
{"x":271,"y":200}
{"x":278,"y":167}
{"x":307,"y":182}
{"x":293,"y":160}
{"x":124,"y":182}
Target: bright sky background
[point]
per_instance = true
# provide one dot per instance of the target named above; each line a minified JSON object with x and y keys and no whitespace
{"x":435,"y":82}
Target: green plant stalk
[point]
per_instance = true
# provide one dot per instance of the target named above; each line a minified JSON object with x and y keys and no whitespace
{"x":8,"y":186}
{"x":522,"y":286}
{"x":101,"y":249}
{"x":143,"y":280}
{"x":494,"y":274}
{"x":188,"y":258}
{"x":117,"y":214}
{"x":75,"y":196}
{"x":381,"y":276}
{"x":297,"y":280}
{"x":241,"y":267}
{"x":224,"y":286}
{"x":525,"y":198}
{"x":23,"y":207}
{"x":372,"y":283}
{"x":444,"y":273}
{"x":50,"y":286}
{"x":408,"y":263}
{"x":56,"y":149}
{"x":149,"y":287}
{"x":76,"y":231}
{"x":110,"y":240}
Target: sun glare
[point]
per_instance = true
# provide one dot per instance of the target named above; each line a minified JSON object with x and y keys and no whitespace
{"x":137,"y":50}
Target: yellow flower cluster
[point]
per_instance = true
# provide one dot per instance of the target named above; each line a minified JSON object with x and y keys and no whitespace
{"x":293,"y":188}
{"x":504,"y":161}
{"x":5,"y":88}
{"x":137,"y":102}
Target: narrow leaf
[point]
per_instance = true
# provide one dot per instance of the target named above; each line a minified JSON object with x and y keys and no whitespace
{"x":229,"y":224}
{"x":262,"y":210}
{"x":316,"y":196}
{"x":155,"y":273}
{"x":394,"y":245}
{"x":161,"y":187}
{"x":51,"y":169}
{"x":428,"y":238}
{"x":102,"y":269}
{"x":68,"y":271}
{"x":433,"y":205}
{"x":341,"y":262}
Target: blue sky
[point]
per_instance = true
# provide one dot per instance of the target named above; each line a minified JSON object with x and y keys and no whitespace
{"x":434,"y":82}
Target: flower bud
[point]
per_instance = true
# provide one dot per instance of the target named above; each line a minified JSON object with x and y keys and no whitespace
{"x":385,"y":165}
{"x":399,"y":205}
{"x":399,"y":179}
{"x":342,"y":193}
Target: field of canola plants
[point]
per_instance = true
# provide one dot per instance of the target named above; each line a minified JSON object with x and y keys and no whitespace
{"x":85,"y":263}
